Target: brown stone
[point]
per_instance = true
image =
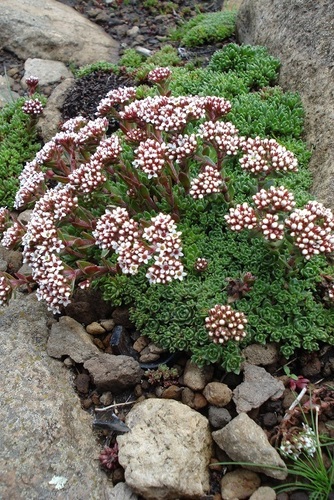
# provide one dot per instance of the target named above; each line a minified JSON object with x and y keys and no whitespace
{"x":217,"y":394}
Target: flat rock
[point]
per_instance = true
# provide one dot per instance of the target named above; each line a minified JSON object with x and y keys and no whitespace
{"x":48,"y":72}
{"x":114,"y":373}
{"x":257,"y":388}
{"x":48,"y":29}
{"x":196,"y":378}
{"x":240,"y":483}
{"x":167,"y":452}
{"x":244,"y":441}
{"x":263,"y":355}
{"x":46,"y":438}
{"x":69,"y":338}
{"x":300,"y":34}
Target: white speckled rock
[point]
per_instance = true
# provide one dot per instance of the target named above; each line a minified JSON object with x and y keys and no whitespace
{"x":167,"y":452}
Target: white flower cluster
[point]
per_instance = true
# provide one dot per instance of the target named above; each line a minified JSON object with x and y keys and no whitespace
{"x":94,"y":130}
{"x":12,"y":236}
{"x":135,"y":247}
{"x":271,"y":227}
{"x":150,"y":157}
{"x":312,"y":229}
{"x":201,"y":264}
{"x":216,"y":107}
{"x":265,"y":156}
{"x":5,"y":290}
{"x":223,"y":134}
{"x":33,"y":107}
{"x":115,"y":96}
{"x":224,"y":323}
{"x":209,"y":181}
{"x":31,"y":181}
{"x":4,"y":215}
{"x":241,"y":217}
{"x":274,"y":199}
{"x":42,"y":246}
{"x":181,"y":147}
{"x":157,"y":75}
{"x":303,"y":442}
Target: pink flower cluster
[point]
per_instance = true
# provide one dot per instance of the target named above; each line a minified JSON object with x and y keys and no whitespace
{"x":135,"y":246}
{"x":208,"y":182}
{"x":265,"y":218}
{"x":201,"y":264}
{"x":4,"y":218}
{"x":150,"y":157}
{"x":222,"y":134}
{"x":42,"y":246}
{"x":32,"y":82}
{"x":5,"y":290}
{"x":312,"y":229}
{"x":263,"y":156}
{"x":169,"y":113}
{"x":181,"y":147}
{"x":224,"y":324}
{"x":159,"y":75}
{"x":121,"y":95}
{"x":241,"y":217}
{"x":33,"y":107}
{"x":274,"y":199}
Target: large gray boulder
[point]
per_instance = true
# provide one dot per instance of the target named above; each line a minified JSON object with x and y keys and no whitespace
{"x":48,"y":449}
{"x":48,"y":29}
{"x":300,"y":34}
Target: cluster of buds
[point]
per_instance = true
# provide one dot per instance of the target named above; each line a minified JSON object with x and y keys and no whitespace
{"x":265,"y":218}
{"x":223,"y":135}
{"x":224,"y":324}
{"x":121,"y":95}
{"x":208,"y":182}
{"x":201,"y":264}
{"x":264,"y":156}
{"x":5,"y":290}
{"x":136,"y":246}
{"x":32,"y":83}
{"x":32,"y":107}
{"x":274,"y":200}
{"x":150,"y":157}
{"x":4,"y":219}
{"x":241,"y":217}
{"x":312,"y":229}
{"x":158,"y":75}
{"x":304,"y":441}
{"x":109,"y":457}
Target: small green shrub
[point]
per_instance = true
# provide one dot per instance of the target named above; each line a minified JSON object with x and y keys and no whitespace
{"x":131,"y":59}
{"x":18,"y":144}
{"x":98,"y":66}
{"x":205,"y":29}
{"x":253,"y":63}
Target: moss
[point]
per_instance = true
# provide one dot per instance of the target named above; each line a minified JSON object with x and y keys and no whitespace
{"x":205,"y":29}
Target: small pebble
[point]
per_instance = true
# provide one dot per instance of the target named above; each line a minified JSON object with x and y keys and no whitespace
{"x":95,"y":328}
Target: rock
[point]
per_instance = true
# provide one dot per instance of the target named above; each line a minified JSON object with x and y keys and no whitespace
{"x":244,"y":441}
{"x":263,"y":493}
{"x":48,"y":72}
{"x":196,"y":378}
{"x":82,"y":382}
{"x":114,"y":373}
{"x":48,"y":29}
{"x":172,"y":392}
{"x":88,"y":306}
{"x":141,"y":343}
{"x":13,"y":259}
{"x":48,"y":123}
{"x":95,"y":328}
{"x":179,"y":440}
{"x":257,"y":354}
{"x":218,"y":417}
{"x":6,"y":94}
{"x":217,"y":394}
{"x":107,"y":324}
{"x":44,"y":434}
{"x":239,"y":484}
{"x":300,"y":34}
{"x":69,"y":338}
{"x":106,"y":398}
{"x":133,"y":32}
{"x":122,"y":492}
{"x":257,"y":388}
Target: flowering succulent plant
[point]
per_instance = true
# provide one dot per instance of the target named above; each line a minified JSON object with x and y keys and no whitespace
{"x":143,"y":210}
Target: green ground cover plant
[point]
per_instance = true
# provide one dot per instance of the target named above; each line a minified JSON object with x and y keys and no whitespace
{"x":194,"y":219}
{"x":18,"y":144}
{"x":205,"y":29}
